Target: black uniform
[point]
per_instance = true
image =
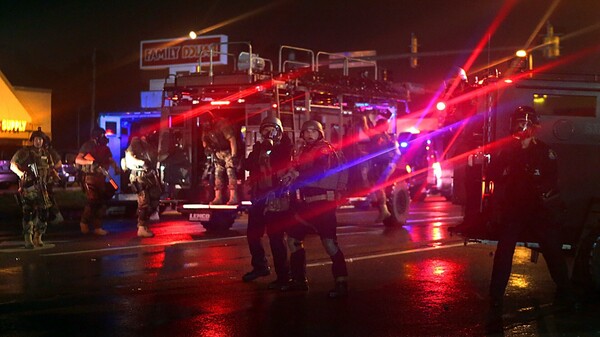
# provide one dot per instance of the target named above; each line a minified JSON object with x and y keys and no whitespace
{"x":522,"y":177}
{"x":317,"y":209}
{"x":270,"y":208}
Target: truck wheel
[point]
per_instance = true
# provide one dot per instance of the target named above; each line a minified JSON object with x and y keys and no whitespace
{"x":398,"y":203}
{"x":587,"y":265}
{"x":220,"y":221}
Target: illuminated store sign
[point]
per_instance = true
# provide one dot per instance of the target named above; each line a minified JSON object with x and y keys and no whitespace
{"x":11,"y":125}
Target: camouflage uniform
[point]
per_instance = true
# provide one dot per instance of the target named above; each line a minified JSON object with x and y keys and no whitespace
{"x":97,"y":190}
{"x":34,"y":203}
{"x":217,"y":138}
{"x":141,"y":158}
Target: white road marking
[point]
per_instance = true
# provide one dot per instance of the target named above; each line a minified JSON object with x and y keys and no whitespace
{"x":376,"y":256}
{"x":164,"y":244}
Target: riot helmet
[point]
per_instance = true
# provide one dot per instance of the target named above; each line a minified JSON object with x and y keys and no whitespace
{"x":523,"y":122}
{"x":39,"y":134}
{"x":99,"y":135}
{"x":272,"y":121}
{"x":312,"y":125}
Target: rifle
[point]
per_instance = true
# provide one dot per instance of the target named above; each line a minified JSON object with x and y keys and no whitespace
{"x":41,"y":186}
{"x":103,"y":171}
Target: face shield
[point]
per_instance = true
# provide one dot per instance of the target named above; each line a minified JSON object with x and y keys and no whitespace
{"x":271,"y":132}
{"x":522,"y":128}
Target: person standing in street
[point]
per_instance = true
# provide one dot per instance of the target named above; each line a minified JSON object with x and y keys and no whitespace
{"x":35,"y":169}
{"x":526,"y":200}
{"x":95,"y":158}
{"x":269,"y":160}
{"x":219,"y":139}
{"x":316,"y":209}
{"x":141,"y":160}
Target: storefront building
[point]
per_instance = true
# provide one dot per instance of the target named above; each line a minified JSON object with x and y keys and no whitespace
{"x":23,"y":110}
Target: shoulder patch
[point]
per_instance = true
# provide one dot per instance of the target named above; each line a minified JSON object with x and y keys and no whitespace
{"x":552,"y":154}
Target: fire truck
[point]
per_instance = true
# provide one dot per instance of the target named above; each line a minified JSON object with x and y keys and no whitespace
{"x":307,"y":85}
{"x":569,"y":109}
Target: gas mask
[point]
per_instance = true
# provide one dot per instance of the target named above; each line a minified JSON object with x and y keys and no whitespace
{"x":274,"y":134}
{"x":522,"y":129}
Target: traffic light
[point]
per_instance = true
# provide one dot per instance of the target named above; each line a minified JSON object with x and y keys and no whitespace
{"x":414,"y":46}
{"x":552,"y":43}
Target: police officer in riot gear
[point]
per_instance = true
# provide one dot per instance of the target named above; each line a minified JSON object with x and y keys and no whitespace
{"x":316,"y":209}
{"x":35,"y":168}
{"x":176,"y":164}
{"x":268,"y":162}
{"x":220,"y":140}
{"x":525,"y":179}
{"x":95,"y":156}
{"x":141,"y":160}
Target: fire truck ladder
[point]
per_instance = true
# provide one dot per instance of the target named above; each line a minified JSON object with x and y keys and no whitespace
{"x":286,"y":97}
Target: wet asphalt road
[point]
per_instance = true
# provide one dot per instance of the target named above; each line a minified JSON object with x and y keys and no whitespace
{"x":414,"y":280}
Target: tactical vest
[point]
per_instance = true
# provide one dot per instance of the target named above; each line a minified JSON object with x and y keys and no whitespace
{"x":40,"y":157}
{"x":100,"y":153}
{"x":215,"y":140}
{"x":335,"y":174}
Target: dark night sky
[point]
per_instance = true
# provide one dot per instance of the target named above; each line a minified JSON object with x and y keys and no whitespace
{"x":49,"y":44}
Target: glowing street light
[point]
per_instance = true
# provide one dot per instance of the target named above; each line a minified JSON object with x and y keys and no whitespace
{"x":527,"y":57}
{"x":519,"y":53}
{"x":193,"y":35}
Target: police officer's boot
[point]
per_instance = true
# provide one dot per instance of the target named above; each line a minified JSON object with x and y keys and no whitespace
{"x":37,"y":238}
{"x":144,"y":232}
{"x":84,"y":228}
{"x":384,"y":212}
{"x":340,"y":289}
{"x":218,"y":200}
{"x":27,"y":235}
{"x":233,"y":196}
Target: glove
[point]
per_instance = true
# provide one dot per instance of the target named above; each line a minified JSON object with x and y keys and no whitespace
{"x":288,"y":178}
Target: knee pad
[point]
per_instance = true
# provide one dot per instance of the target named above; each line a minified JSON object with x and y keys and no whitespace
{"x":294,"y":245}
{"x":331,"y":246}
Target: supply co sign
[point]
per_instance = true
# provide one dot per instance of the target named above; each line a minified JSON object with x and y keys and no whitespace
{"x":156,"y":54}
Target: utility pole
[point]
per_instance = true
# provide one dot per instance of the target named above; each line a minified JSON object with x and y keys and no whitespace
{"x":93,"y":108}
